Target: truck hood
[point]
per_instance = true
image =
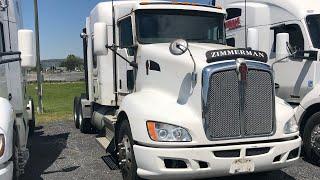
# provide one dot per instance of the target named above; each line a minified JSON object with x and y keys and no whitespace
{"x":168,"y":87}
{"x":198,"y":50}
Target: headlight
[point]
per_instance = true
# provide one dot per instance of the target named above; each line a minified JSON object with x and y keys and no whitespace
{"x":162,"y":132}
{"x":291,"y":126}
{"x":2,"y":144}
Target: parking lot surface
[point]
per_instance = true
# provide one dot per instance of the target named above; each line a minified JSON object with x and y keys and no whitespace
{"x":59,"y":151}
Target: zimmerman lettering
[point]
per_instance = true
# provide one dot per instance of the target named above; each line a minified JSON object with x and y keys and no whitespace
{"x":237,"y":52}
{"x":229,"y":54}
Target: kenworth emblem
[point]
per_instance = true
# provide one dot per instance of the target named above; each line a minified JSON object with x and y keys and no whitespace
{"x":242,"y":69}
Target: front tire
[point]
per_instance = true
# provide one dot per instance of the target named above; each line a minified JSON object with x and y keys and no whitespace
{"x":311,"y":138}
{"x":76,"y":105}
{"x":84,"y":123}
{"x":126,"y":156}
{"x":15,"y":158}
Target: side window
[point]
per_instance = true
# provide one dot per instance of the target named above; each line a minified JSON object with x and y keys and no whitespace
{"x":233,"y":13}
{"x":2,"y":41}
{"x":296,"y":37}
{"x":125,"y":29}
{"x":231,"y":42}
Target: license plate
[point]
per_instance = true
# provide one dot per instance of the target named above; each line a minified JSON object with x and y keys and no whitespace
{"x":242,"y":166}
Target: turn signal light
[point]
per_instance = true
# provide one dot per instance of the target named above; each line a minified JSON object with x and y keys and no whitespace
{"x":152,"y":130}
{"x":2,"y":144}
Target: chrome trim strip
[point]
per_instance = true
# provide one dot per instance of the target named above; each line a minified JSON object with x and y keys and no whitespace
{"x":230,"y":65}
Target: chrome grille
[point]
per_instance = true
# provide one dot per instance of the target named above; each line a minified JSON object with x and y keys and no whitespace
{"x":258,"y":113}
{"x":223,"y":109}
{"x":235,"y":109}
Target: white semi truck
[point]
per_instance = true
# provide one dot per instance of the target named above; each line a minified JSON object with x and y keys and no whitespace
{"x":289,"y":32}
{"x":174,"y":101}
{"x":16,"y":108}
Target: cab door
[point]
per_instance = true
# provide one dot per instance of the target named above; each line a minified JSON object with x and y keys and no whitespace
{"x":126,"y":50}
{"x":293,"y":78}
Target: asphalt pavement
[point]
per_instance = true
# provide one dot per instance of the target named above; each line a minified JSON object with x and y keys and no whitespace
{"x":60,"y":151}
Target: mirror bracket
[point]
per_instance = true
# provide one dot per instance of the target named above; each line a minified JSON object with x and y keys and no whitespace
{"x":179,"y":47}
{"x":114,"y":48}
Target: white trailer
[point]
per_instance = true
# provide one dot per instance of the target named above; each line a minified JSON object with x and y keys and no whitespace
{"x":16,"y":108}
{"x":272,"y":24}
{"x":185,"y":109}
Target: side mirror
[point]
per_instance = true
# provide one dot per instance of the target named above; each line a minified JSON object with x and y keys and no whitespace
{"x":178,"y":47}
{"x":26,"y":47}
{"x":100,"y":40}
{"x":281,"y":46}
{"x":253,"y":39}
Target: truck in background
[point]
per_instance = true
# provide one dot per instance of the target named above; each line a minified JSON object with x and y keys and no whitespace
{"x":289,"y":32}
{"x":16,"y":108}
{"x":174,"y":101}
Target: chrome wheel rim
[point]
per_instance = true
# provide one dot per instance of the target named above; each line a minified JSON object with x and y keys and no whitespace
{"x":125,"y":154}
{"x":315,"y":139}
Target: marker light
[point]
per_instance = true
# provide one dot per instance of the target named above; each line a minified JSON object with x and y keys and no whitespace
{"x":291,"y":126}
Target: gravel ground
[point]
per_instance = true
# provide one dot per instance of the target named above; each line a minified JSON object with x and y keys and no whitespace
{"x":59,"y":151}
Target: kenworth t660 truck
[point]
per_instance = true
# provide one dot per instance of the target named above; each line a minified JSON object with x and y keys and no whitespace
{"x":16,"y":108}
{"x":289,"y":32}
{"x":174,"y":101}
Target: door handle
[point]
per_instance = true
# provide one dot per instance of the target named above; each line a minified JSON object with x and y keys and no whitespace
{"x":277,"y":86}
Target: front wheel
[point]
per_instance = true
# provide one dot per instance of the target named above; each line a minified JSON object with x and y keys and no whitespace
{"x":126,"y":157}
{"x":311,"y":138}
{"x":76,"y":102}
{"x":84,"y":123}
{"x":15,"y":158}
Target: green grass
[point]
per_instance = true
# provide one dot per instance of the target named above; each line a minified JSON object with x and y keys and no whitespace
{"x":57,"y":100}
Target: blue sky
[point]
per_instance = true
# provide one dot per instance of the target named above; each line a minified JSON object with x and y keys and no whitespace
{"x":61,"y":22}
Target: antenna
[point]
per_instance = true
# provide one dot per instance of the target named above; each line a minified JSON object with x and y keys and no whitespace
{"x":113,"y":22}
{"x":114,"y":53}
{"x":245,"y":24}
{"x":9,"y":25}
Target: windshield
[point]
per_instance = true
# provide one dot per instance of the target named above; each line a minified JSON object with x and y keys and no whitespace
{"x":313,"y":22}
{"x":162,"y":26}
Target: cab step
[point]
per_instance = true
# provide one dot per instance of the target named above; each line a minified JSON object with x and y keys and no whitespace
{"x":106,"y":141}
{"x":111,"y":162}
{"x":103,"y":142}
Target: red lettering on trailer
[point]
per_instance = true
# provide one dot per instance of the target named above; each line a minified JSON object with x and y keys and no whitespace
{"x":233,"y":23}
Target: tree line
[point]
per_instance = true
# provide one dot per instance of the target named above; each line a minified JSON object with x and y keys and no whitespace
{"x":72,"y":63}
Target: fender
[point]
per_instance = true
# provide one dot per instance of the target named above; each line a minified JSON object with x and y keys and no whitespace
{"x":312,"y":98}
{"x":6,"y":127}
{"x":152,"y":105}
